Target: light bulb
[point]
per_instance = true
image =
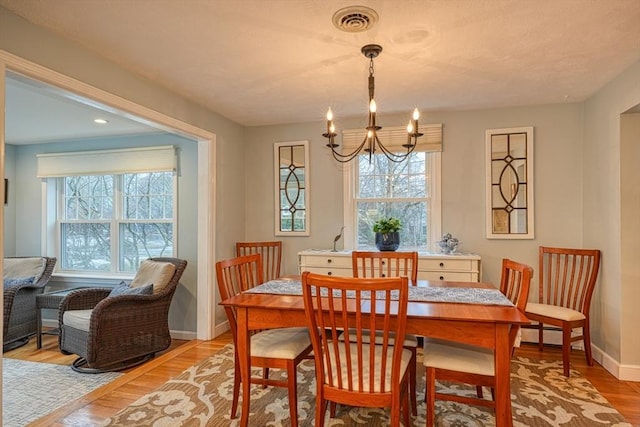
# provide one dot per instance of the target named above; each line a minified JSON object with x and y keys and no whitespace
{"x":332,"y":128}
{"x":369,"y":134}
{"x":416,"y":114}
{"x":329,"y":114}
{"x":410,"y":128}
{"x":372,"y":106}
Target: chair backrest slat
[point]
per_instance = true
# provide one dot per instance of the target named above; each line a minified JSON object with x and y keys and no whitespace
{"x":271,"y":253}
{"x":568,"y":277}
{"x":235,"y":276}
{"x":515,"y":284}
{"x":362,"y":306}
{"x":385,"y":264}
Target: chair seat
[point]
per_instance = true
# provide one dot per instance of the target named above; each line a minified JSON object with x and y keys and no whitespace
{"x":554,"y":311}
{"x":353,"y":348}
{"x":410,"y":340}
{"x":77,"y":319}
{"x":453,"y":356}
{"x":285,"y":343}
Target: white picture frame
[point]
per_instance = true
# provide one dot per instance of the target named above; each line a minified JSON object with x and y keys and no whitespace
{"x":291,"y":188}
{"x":509,"y":183}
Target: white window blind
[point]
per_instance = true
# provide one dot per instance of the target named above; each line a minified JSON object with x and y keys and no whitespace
{"x":105,"y":162}
{"x":393,"y":138}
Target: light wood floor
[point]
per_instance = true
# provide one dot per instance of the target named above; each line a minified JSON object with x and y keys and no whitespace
{"x":109,"y":399}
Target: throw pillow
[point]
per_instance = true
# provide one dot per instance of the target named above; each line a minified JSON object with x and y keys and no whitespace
{"x":14,"y":282}
{"x":124,"y":289}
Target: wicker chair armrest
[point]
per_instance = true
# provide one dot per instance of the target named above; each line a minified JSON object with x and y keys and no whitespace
{"x":131,"y":309}
{"x":83,"y":299}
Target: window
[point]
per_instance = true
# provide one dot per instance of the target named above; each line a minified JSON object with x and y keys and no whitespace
{"x":109,"y":209}
{"x":126,"y":217}
{"x":408,"y":190}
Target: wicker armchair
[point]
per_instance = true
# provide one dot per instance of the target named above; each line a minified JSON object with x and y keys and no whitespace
{"x":112,"y":333}
{"x":20,"y":300}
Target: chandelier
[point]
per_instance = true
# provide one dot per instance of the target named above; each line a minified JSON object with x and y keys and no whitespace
{"x":371,"y":144}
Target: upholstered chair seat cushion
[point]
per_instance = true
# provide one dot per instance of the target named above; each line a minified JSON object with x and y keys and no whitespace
{"x":458,"y":357}
{"x":409,"y":339}
{"x":284,"y":343}
{"x":77,"y":319}
{"x":554,"y":311}
{"x":158,"y":273}
{"x":344,"y":370}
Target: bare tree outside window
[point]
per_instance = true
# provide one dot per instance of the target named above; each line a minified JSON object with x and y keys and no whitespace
{"x":393,"y":189}
{"x":128,"y":217}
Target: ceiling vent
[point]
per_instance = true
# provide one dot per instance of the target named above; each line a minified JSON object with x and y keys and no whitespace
{"x":355,"y":19}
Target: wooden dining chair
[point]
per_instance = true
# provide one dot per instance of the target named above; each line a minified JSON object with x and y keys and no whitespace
{"x":271,"y":256}
{"x":462,"y":363}
{"x":352,"y":372}
{"x":282,"y":348}
{"x":392,"y":264}
{"x":567,"y":278}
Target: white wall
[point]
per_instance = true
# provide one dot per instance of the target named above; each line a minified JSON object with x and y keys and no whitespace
{"x":9,"y":242}
{"x":613,"y":318}
{"x":630,"y":237}
{"x":558,"y":185}
{"x":35,"y":44}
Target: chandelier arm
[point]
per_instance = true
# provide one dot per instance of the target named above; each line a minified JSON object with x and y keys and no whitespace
{"x":394,"y":157}
{"x":344,"y":158}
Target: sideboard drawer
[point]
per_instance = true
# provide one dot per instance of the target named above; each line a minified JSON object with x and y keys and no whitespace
{"x":427,"y":264}
{"x":328,"y":271}
{"x":327,"y":261}
{"x":451,"y":276}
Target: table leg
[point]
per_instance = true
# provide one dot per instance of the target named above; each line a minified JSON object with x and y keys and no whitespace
{"x":502,"y":361}
{"x":38,"y":328}
{"x":244,"y":358}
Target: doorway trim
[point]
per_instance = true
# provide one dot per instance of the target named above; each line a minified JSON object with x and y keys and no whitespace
{"x":206,"y":298}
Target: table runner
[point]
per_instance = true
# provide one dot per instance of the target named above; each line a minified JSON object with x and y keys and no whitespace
{"x":417,"y":294}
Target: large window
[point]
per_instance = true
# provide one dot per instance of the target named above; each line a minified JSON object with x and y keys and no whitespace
{"x":110,"y":223}
{"x":408,"y":190}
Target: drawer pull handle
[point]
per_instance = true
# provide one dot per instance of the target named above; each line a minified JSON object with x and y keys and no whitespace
{"x":384,"y":275}
{"x":383,"y":263}
{"x":441,"y":277}
{"x":329,"y":273}
{"x":442,"y":264}
{"x":329,"y":261}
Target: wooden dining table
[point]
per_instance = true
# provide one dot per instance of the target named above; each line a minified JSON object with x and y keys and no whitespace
{"x":484,"y":325}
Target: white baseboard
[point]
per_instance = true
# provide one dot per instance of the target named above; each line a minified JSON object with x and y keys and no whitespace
{"x":621,"y":372}
{"x":221,"y":328}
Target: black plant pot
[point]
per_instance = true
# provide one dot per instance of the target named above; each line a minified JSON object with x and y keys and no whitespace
{"x":388,"y":241}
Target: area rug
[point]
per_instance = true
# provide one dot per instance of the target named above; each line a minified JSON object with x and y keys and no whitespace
{"x":201,"y":396}
{"x":31,"y":390}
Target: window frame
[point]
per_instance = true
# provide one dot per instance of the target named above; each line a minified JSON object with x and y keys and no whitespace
{"x":53,"y":195}
{"x":434,"y":203}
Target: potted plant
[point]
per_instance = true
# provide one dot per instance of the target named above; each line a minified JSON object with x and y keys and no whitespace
{"x":387,"y":233}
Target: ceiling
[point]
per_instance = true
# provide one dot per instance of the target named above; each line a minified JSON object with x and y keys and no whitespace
{"x":260,"y":62}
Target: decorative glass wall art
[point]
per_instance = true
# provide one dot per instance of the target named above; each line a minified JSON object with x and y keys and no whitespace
{"x":292,"y":188}
{"x":509,"y":183}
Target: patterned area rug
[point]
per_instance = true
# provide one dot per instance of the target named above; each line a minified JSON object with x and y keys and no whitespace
{"x":31,"y":390}
{"x":201,"y":396}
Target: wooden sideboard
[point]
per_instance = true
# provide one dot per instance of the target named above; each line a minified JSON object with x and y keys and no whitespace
{"x":431,"y":266}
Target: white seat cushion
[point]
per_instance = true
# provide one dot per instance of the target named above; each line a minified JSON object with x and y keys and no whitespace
{"x":283,"y":343}
{"x":154,"y":273}
{"x":441,"y":354}
{"x":554,"y":311}
{"x":78,"y":319}
{"x":406,"y":358}
{"x":409,"y":339}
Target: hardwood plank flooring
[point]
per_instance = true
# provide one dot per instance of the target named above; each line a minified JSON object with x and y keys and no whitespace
{"x":109,"y":399}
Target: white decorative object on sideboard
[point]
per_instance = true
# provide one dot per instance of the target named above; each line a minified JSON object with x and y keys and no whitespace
{"x":454,"y":267}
